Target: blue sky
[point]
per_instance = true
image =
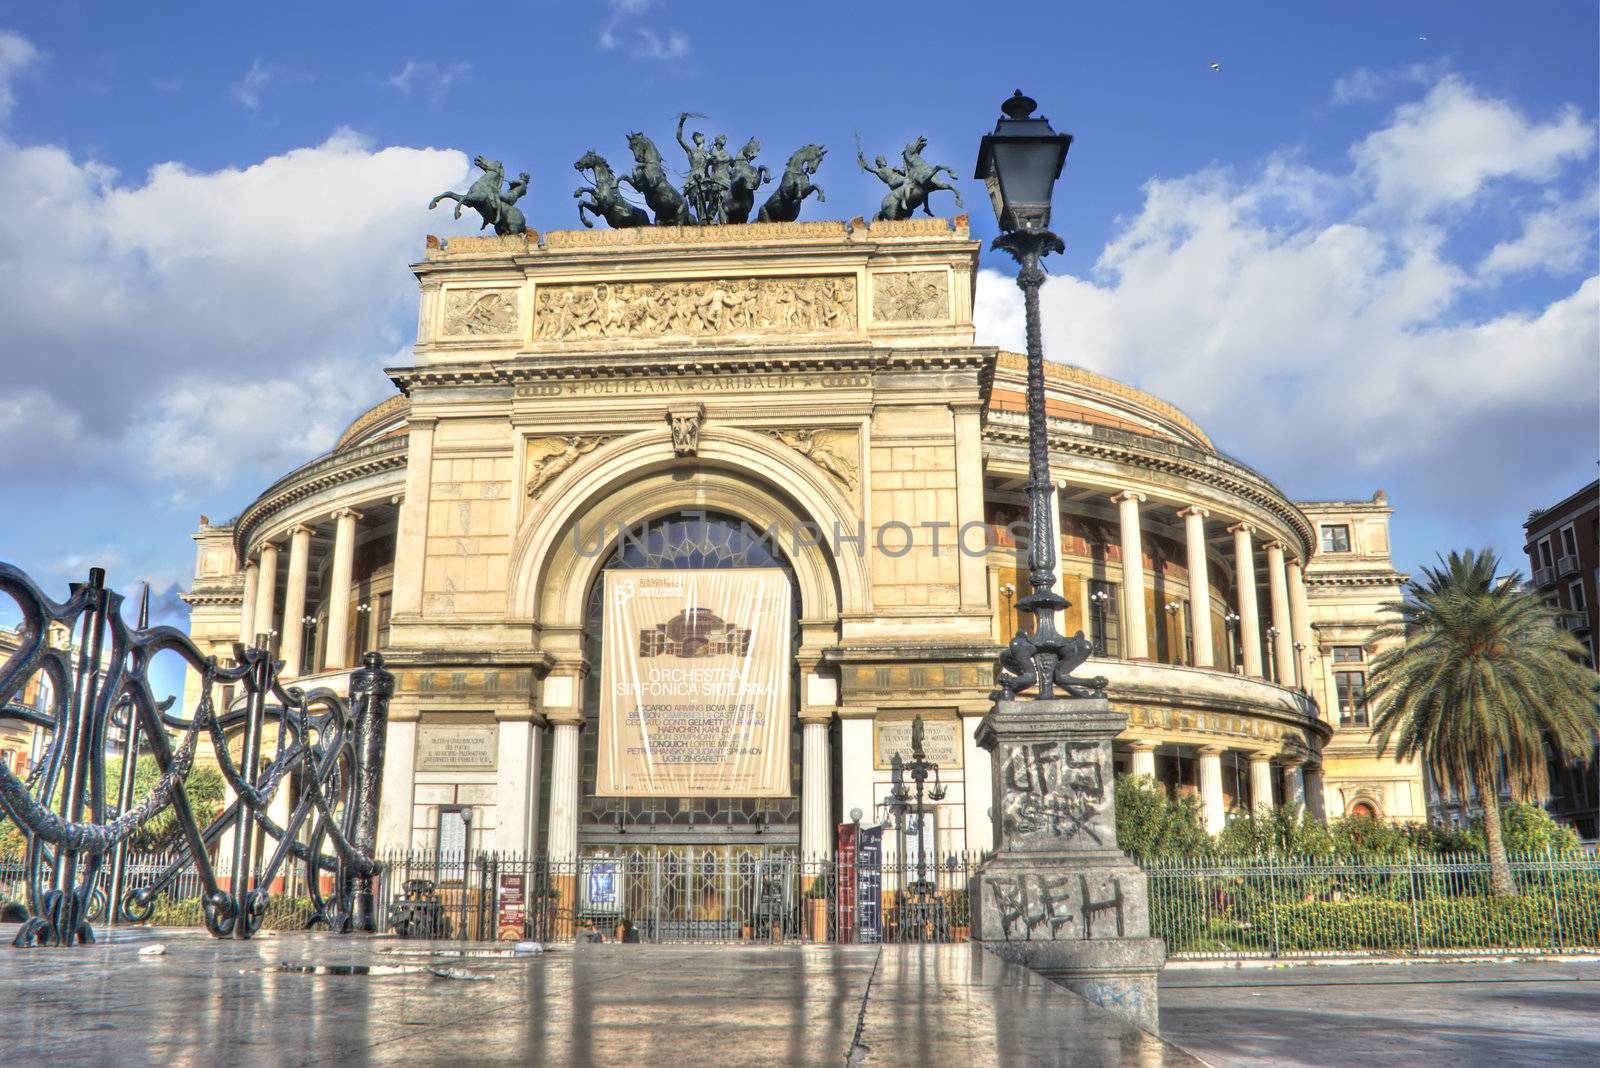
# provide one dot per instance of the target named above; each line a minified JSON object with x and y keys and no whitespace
{"x":1362,"y":254}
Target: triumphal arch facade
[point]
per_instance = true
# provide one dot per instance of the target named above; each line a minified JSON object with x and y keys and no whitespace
{"x":790,"y":428}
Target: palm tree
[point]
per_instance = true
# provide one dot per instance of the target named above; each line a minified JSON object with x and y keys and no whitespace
{"x":1484,"y":680}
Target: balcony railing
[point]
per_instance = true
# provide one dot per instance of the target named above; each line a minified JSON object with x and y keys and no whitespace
{"x":1544,"y":576}
{"x":1566,"y":565}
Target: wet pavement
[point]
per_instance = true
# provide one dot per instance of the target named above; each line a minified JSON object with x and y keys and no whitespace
{"x":310,"y":999}
{"x":1503,"y":1014}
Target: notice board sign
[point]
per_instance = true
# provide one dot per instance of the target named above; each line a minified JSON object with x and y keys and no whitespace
{"x":512,"y":916}
{"x":694,"y":684}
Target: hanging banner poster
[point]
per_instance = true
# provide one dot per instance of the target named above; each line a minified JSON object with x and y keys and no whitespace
{"x":694,"y":684}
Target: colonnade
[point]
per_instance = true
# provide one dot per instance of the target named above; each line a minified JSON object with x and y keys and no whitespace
{"x":1302,"y":782}
{"x":1289,"y":625}
{"x":259,"y":612}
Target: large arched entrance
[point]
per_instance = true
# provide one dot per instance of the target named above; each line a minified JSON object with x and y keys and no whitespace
{"x":688,"y":867}
{"x":688,"y":540}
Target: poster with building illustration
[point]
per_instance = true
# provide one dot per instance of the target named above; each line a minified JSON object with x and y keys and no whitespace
{"x":695,"y":684}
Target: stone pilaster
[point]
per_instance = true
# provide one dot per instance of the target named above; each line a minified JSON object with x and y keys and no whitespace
{"x":1059,"y":896}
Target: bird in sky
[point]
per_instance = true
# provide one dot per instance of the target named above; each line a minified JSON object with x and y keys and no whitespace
{"x":1217,"y":67}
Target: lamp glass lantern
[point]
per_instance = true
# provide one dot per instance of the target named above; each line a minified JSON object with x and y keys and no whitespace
{"x":1019,"y":164}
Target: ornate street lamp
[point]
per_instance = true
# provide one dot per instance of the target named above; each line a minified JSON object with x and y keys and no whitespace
{"x":1019,"y":164}
{"x":924,"y":910}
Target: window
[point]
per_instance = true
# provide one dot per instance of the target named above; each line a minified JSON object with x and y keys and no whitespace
{"x":385,"y":602}
{"x":1105,"y":622}
{"x":1352,"y":689}
{"x":1569,"y":540}
{"x":1575,"y":597}
{"x":1336,"y":539}
{"x":1347,"y":654}
{"x":1547,"y":558}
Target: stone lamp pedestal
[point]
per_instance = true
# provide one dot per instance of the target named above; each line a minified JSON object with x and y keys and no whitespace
{"x":1058,"y":895}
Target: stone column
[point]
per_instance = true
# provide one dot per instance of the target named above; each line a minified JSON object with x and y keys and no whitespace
{"x":399,"y":771}
{"x":977,"y":788}
{"x":1058,"y":895}
{"x":1278,"y":593}
{"x":1300,"y":613}
{"x":816,"y":814}
{"x":294,"y":601}
{"x":561,"y":841}
{"x":1144,"y":758}
{"x":516,"y":788}
{"x":1311,"y":787}
{"x":1212,"y":803}
{"x":247,"y":611}
{"x":969,"y":506}
{"x":1194,"y":530}
{"x":1135,"y":634}
{"x":1294,"y":783}
{"x":266,"y":590}
{"x":340,"y":576}
{"x":1249,"y":611}
{"x":1261,"y":782}
{"x":411,"y":539}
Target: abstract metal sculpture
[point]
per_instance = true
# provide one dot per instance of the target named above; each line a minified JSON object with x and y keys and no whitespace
{"x":334,"y":752}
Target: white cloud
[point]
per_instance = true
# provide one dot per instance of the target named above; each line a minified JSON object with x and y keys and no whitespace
{"x":17,"y":55}
{"x":1303,"y":325}
{"x":1555,"y":239}
{"x":434,"y":79}
{"x":204,"y":326}
{"x":1364,"y":84}
{"x":1446,"y":148}
{"x":621,"y":31}
{"x":247,"y":90}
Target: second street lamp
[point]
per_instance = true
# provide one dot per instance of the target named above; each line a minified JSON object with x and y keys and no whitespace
{"x":1019,"y":164}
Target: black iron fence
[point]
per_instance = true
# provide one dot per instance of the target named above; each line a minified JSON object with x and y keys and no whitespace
{"x":672,"y":895}
{"x":176,"y":896}
{"x":1401,"y":906}
{"x":665,"y":896}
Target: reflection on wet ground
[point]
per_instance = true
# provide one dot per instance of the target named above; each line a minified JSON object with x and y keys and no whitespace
{"x":303,"y":999}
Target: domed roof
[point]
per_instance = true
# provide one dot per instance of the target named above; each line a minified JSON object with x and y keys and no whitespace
{"x":380,"y":421}
{"x":1085,"y":397}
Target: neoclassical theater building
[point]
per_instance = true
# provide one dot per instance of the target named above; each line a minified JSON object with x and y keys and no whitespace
{"x":806,"y":397}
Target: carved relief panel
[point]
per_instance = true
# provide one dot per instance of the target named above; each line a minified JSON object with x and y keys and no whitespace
{"x":549,"y":456}
{"x":480,"y":312}
{"x":910,"y":296}
{"x":836,"y":452}
{"x":694,"y":308}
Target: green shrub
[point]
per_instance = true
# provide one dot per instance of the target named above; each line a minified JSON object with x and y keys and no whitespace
{"x":1150,"y":824}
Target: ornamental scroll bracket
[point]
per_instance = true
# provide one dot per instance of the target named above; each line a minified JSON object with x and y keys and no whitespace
{"x":685,"y":421}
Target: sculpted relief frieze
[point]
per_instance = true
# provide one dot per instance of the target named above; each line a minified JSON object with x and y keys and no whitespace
{"x":476,"y":312}
{"x":548,"y":457}
{"x":836,"y":452}
{"x":694,"y":308}
{"x":910,"y":296}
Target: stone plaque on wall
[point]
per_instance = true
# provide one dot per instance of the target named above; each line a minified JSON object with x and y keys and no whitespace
{"x":464,"y":747}
{"x":941,"y":739}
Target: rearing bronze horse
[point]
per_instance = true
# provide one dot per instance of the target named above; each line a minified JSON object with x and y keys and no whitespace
{"x":649,"y":177}
{"x":795,"y":185}
{"x":604,"y":197}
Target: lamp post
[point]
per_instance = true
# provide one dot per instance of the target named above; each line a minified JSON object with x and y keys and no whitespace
{"x":919,"y":768}
{"x":1019,"y":164}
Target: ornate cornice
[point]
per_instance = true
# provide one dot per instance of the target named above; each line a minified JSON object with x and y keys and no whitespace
{"x":784,"y":235}
{"x":1158,"y":454}
{"x":388,"y":454}
{"x":690,"y":363}
{"x":1357,"y":578}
